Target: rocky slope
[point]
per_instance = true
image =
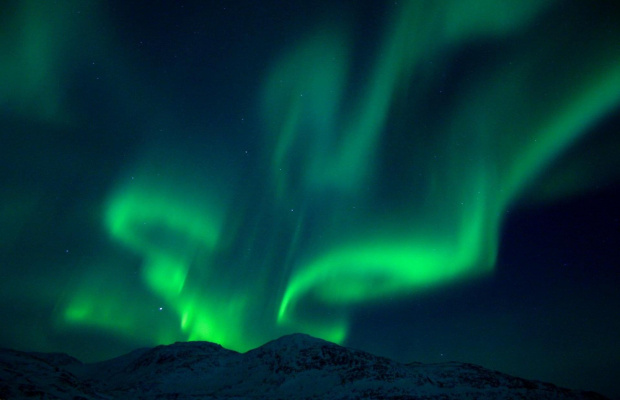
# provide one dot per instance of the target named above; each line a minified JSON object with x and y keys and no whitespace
{"x":292,"y":367}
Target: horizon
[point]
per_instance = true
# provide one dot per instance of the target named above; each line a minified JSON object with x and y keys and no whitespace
{"x":422,"y":181}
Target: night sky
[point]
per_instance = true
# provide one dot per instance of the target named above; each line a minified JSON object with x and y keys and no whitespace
{"x":426,"y":180}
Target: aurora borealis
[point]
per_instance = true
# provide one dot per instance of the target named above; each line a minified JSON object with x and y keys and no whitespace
{"x":425,"y":180}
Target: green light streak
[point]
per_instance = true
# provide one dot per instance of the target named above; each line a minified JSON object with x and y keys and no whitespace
{"x":389,"y":267}
{"x":169,"y":234}
{"x":454,"y":233}
{"x":107,"y":303}
{"x":173,"y":235}
{"x":301,"y":103}
{"x":327,"y":235}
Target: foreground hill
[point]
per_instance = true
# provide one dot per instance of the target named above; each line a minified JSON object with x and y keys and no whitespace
{"x":292,"y":367}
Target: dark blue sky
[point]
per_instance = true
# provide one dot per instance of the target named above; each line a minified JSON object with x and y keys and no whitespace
{"x":426,"y":181}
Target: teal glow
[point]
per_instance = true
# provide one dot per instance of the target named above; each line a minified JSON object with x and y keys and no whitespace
{"x":494,"y":142}
{"x":373,"y":182}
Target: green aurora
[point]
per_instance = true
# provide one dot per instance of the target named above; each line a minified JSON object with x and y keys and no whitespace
{"x":304,"y":243}
{"x":495,"y":138}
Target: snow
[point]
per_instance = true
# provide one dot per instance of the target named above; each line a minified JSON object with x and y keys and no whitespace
{"x":292,"y":367}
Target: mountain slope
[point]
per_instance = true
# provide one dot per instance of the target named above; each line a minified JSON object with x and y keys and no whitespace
{"x":292,"y":367}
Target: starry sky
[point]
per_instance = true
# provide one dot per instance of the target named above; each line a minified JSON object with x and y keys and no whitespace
{"x":428,"y":181}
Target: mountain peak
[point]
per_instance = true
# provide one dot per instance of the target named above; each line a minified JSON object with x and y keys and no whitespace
{"x":296,"y":340}
{"x":296,"y":366}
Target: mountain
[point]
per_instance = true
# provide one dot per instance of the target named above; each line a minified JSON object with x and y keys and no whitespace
{"x":292,"y":367}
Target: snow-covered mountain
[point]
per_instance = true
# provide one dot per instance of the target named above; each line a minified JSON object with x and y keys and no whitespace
{"x":292,"y":367}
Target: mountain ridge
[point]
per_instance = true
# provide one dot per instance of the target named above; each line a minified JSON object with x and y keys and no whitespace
{"x":295,"y":366}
